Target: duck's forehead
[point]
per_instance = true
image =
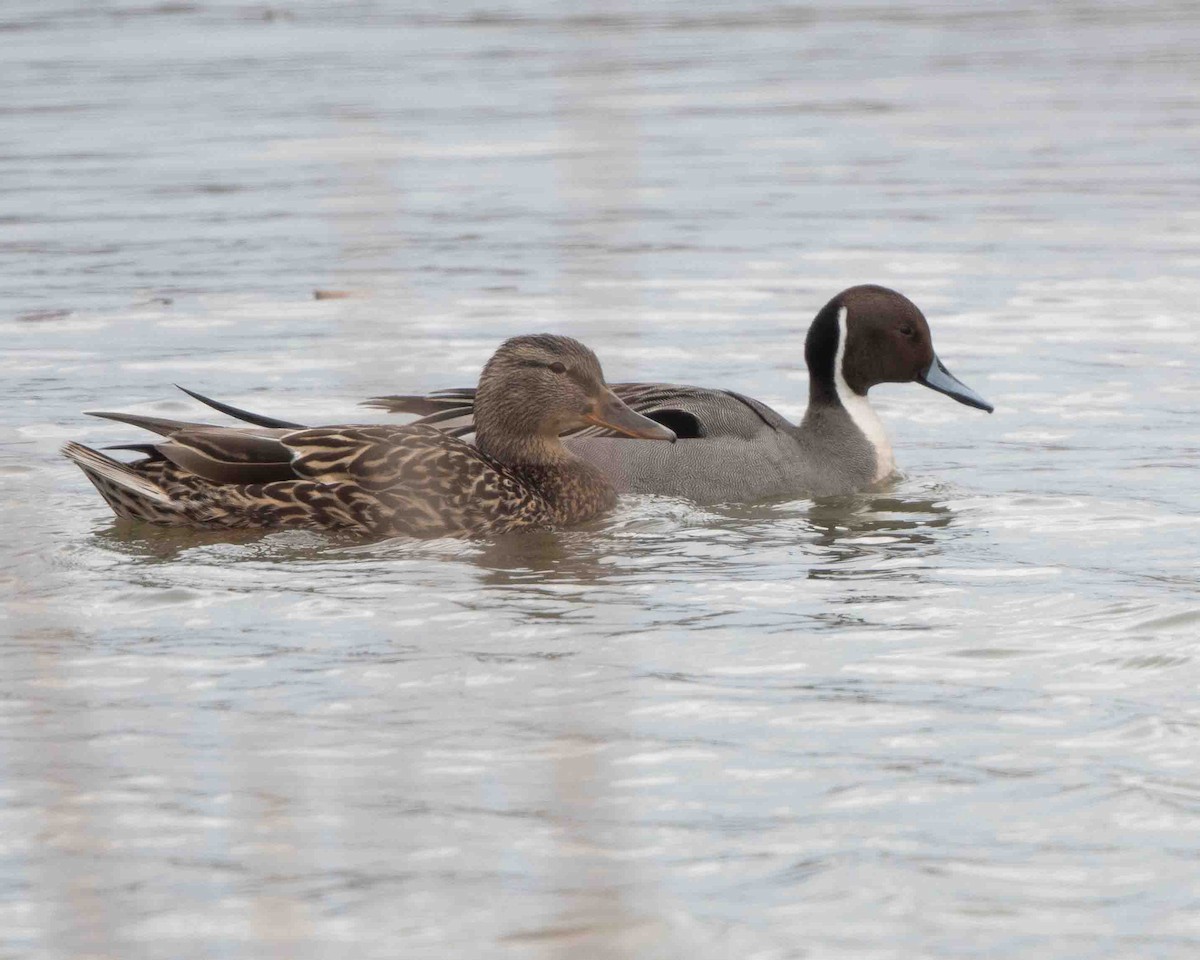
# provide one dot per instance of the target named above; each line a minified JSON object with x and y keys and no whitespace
{"x":574,"y":354}
{"x":547,"y":348}
{"x":532,"y":347}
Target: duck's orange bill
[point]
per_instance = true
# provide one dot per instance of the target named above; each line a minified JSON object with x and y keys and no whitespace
{"x":610,"y":411}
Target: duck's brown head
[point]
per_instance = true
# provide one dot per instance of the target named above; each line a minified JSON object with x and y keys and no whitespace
{"x":868,"y":335}
{"x":543,"y":385}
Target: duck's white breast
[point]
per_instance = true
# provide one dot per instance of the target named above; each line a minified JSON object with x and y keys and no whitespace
{"x":861,"y":411}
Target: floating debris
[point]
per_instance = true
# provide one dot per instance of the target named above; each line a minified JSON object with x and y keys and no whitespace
{"x":41,"y":316}
{"x":332,"y":294}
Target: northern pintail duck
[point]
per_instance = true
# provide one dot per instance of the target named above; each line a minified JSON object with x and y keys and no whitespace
{"x":389,"y":480}
{"x":734,"y":448}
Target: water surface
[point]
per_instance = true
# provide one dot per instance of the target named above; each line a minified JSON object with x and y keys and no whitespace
{"x":954,"y":719}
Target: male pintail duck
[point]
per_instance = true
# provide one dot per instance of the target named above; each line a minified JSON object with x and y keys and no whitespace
{"x":736,"y":449}
{"x":389,"y":480}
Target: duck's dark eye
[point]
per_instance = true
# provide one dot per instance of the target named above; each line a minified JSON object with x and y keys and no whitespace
{"x":557,"y":367}
{"x":908,"y":330}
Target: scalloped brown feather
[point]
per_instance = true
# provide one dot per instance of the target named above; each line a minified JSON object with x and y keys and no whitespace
{"x":375,"y":480}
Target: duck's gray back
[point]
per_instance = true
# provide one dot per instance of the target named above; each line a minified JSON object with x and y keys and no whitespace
{"x":746,"y":451}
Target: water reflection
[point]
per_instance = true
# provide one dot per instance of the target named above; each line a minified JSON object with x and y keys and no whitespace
{"x":846,"y":524}
{"x":148,"y":543}
{"x":655,"y":562}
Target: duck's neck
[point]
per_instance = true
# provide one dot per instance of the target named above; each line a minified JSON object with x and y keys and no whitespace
{"x":827,"y":418}
{"x":572,"y":489}
{"x":831,"y":400}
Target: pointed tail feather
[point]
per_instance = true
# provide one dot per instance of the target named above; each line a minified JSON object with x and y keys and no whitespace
{"x":238,"y":414}
{"x":159,"y":425}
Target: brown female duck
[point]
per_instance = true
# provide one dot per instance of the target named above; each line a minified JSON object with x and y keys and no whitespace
{"x":384,"y":480}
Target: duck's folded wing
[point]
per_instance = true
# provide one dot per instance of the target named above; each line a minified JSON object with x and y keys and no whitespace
{"x":691,"y":412}
{"x":418,"y":479}
{"x":417,"y":459}
{"x":220,"y":454}
{"x":245,"y":455}
{"x":229,"y":455}
{"x":371,"y":457}
{"x":379,"y":456}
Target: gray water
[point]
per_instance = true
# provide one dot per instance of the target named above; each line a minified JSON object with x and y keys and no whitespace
{"x":955,"y":719}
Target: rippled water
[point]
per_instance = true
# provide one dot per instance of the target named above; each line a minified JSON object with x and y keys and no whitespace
{"x":957,"y":719}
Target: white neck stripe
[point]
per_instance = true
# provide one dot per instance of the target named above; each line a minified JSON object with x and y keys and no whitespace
{"x":860,"y":409}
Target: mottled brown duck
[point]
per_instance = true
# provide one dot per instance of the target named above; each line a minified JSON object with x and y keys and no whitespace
{"x":383,"y":480}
